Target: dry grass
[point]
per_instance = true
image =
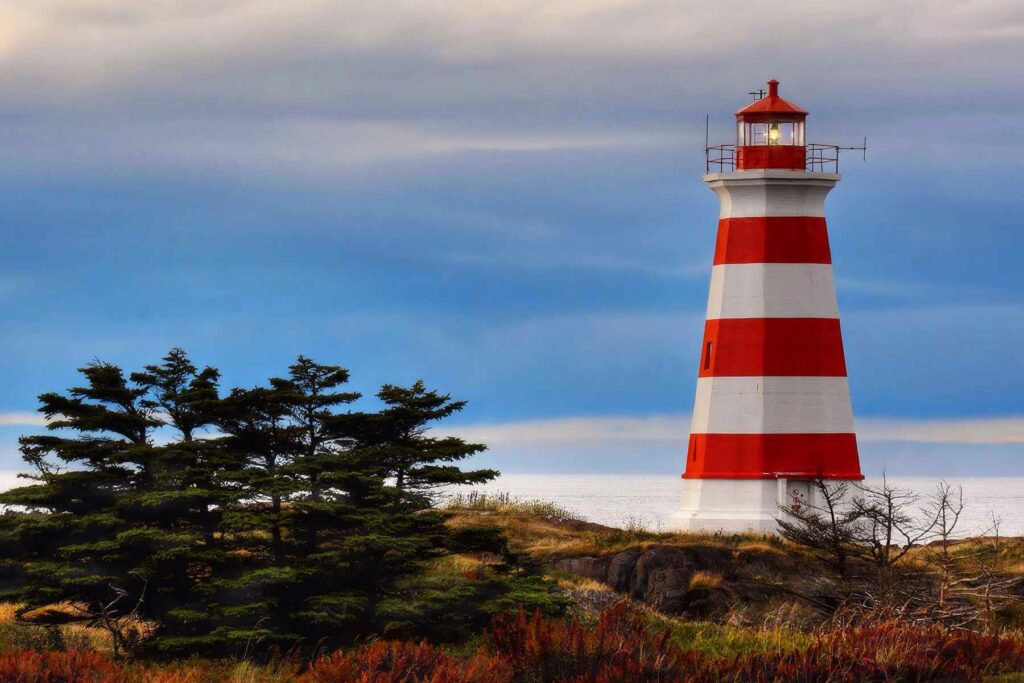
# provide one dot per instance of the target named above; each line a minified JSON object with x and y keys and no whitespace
{"x":778,"y":547}
{"x":455,"y":564}
{"x":582,"y":583}
{"x":551,"y":537}
{"x":8,"y":612}
{"x":702,"y":579}
{"x":79,"y":635}
{"x":504,"y":503}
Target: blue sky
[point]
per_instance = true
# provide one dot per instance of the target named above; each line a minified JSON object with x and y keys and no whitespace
{"x":504,"y":198}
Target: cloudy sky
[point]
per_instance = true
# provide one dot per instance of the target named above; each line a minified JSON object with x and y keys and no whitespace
{"x":503,"y":197}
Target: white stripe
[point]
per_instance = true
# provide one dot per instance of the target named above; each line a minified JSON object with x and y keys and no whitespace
{"x":746,"y":196}
{"x":772,"y":405}
{"x":772,"y":290}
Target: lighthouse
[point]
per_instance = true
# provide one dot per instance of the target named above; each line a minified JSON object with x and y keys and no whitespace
{"x":772,"y":412}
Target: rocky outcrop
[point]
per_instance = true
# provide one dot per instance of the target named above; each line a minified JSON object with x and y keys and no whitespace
{"x":595,"y":568}
{"x":662,"y":576}
{"x":620,"y":570}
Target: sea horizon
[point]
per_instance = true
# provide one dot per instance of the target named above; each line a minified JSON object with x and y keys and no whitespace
{"x":645,"y":500}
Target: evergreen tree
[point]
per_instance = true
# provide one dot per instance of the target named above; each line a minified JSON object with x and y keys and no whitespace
{"x":299,"y":524}
{"x":183,"y":509}
{"x":342,"y":534}
{"x":115,"y":524}
{"x":398,"y":440}
{"x":297,"y":585}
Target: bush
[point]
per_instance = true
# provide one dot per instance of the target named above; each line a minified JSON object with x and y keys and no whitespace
{"x":625,"y":646}
{"x":74,"y":666}
{"x":620,"y":647}
{"x":391,"y":662}
{"x":894,"y":652}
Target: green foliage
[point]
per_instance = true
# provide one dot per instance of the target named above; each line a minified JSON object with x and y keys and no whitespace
{"x":186,"y":522}
{"x":116,"y":523}
{"x":457,"y":595}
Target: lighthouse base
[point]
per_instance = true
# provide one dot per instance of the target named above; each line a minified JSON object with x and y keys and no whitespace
{"x":739,"y":505}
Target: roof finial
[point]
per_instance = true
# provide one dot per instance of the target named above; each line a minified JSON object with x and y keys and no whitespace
{"x":773,"y":88}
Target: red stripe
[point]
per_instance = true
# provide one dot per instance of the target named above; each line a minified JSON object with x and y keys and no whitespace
{"x":768,"y":456}
{"x":784,"y":239}
{"x":764,"y":347}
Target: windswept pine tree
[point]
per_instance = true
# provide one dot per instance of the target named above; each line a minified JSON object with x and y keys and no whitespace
{"x":397,"y":440}
{"x":114,"y":524}
{"x":274,"y":517}
{"x":296,"y":523}
{"x":343,"y":528}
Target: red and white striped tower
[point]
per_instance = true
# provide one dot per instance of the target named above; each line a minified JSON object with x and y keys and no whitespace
{"x":772,"y":411}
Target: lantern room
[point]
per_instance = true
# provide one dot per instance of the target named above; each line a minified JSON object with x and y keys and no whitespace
{"x":770,"y":133}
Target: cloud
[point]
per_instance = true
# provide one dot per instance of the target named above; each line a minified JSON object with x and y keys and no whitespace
{"x":581,"y":431}
{"x":674,"y":429}
{"x":25,"y":419}
{"x":164,"y":32}
{"x":993,"y":430}
{"x":314,"y":87}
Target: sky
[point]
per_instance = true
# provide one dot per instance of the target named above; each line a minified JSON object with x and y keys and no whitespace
{"x":504,"y":198}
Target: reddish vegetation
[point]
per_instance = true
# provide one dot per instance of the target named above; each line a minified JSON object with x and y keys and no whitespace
{"x":384,"y":662}
{"x":890,"y":652}
{"x":621,"y":646}
{"x":27,"y":666}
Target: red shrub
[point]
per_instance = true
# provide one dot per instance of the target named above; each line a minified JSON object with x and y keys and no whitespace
{"x":922,"y":653}
{"x":623,"y":647}
{"x":887,"y":652}
{"x":390,"y":662}
{"x":28,"y":666}
{"x":620,"y":647}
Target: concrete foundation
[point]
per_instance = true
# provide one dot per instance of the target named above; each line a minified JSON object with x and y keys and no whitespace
{"x":740,"y":505}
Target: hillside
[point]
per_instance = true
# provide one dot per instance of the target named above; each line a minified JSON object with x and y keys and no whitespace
{"x":641,"y":606}
{"x":739,"y":579}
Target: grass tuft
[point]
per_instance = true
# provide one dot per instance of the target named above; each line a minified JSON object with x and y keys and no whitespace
{"x":703,"y":579}
{"x":504,"y":503}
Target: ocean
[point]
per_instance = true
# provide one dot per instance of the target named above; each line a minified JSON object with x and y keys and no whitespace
{"x":647,"y":500}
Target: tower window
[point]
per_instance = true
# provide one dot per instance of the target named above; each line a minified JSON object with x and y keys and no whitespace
{"x":771,"y":133}
{"x":707,"y":356}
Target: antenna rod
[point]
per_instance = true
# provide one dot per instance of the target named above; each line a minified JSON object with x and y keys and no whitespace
{"x":707,"y":155}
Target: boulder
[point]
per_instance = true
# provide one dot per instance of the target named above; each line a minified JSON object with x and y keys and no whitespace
{"x":591,"y":567}
{"x":621,"y":568}
{"x":662,"y":574}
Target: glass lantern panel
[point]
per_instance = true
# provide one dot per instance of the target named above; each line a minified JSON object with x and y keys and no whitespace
{"x":757,"y":134}
{"x":781,"y":133}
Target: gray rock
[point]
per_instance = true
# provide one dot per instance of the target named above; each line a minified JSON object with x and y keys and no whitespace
{"x":620,"y":569}
{"x":591,"y":567}
{"x":662,"y":574}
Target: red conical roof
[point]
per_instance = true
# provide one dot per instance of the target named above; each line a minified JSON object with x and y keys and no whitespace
{"x":771,"y":105}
